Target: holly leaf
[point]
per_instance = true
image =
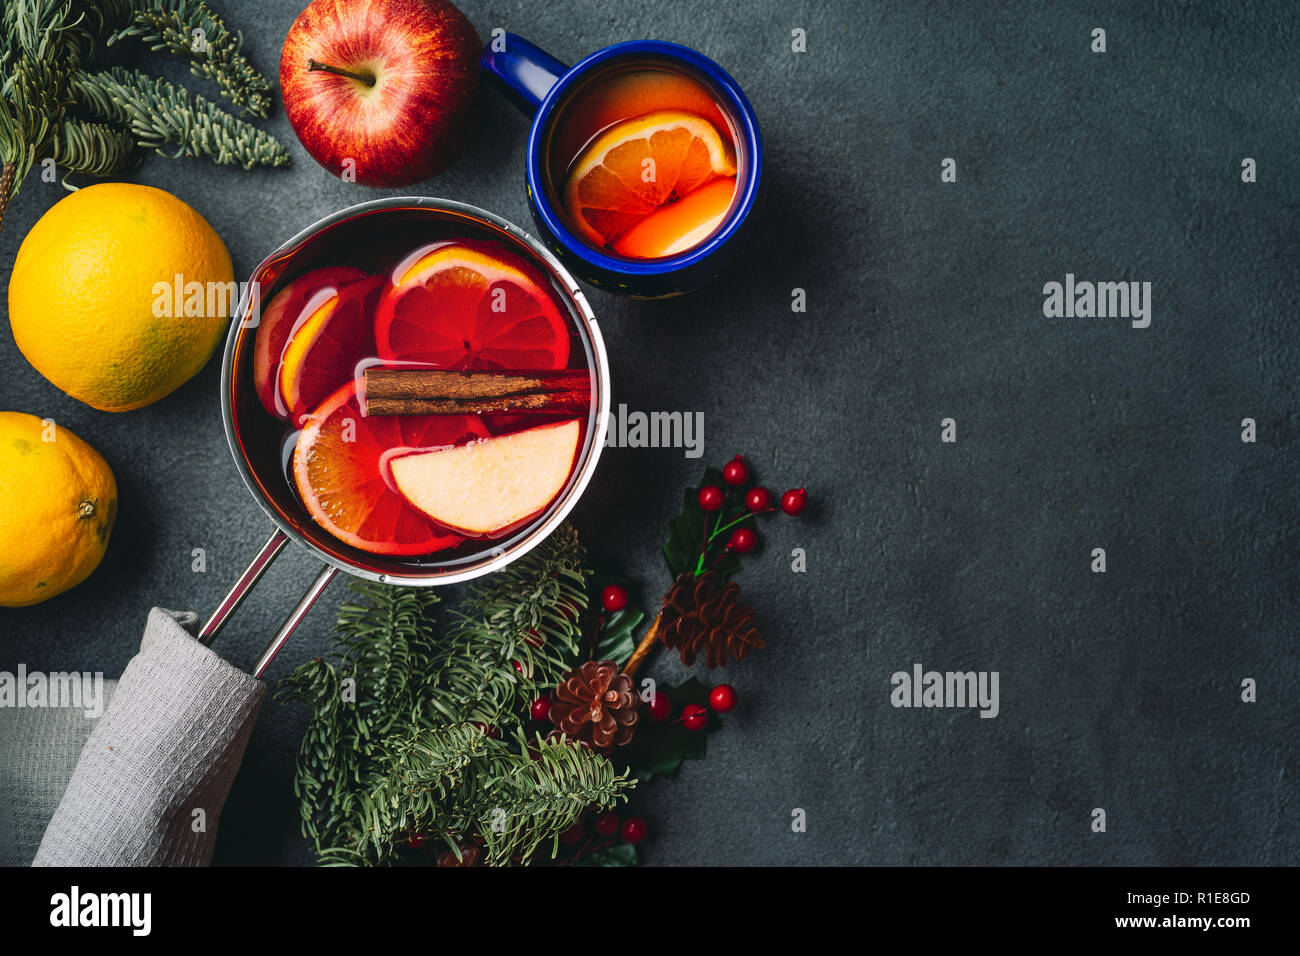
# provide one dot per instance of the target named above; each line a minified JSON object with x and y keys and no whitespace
{"x":616,"y":854}
{"x":617,"y":639}
{"x":689,"y":691}
{"x":687,"y":532}
{"x":660,"y":749}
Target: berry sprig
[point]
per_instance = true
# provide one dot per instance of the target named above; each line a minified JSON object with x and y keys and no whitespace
{"x":700,"y":616}
{"x":729,"y":507}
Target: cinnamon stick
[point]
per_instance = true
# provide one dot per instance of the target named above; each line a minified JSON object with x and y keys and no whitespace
{"x":419,"y":391}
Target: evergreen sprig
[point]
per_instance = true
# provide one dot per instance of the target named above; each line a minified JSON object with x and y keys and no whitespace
{"x":189,"y":28}
{"x":159,"y":113}
{"x":46,"y":80}
{"x":528,"y":612}
{"x":94,"y":149}
{"x":416,"y":729}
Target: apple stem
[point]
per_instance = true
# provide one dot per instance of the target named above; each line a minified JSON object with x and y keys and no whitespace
{"x":313,"y":66}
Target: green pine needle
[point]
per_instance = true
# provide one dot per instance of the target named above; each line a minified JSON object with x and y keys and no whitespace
{"x":396,"y":744}
{"x":45,"y":49}
{"x":161,"y":114}
{"x":93,"y":149}
{"x":189,"y":28}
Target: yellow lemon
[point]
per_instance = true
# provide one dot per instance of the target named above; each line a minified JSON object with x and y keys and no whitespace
{"x":57,"y":504}
{"x":120,"y":294}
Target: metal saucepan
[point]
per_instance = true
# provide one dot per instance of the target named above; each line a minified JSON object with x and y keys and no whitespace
{"x":349,"y":237}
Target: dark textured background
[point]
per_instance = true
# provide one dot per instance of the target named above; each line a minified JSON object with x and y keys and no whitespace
{"x":1118,"y":690}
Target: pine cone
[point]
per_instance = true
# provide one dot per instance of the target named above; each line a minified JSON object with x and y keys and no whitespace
{"x":699,"y":618}
{"x":596,"y":705}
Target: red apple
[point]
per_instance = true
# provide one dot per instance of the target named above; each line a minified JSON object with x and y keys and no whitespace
{"x":489,"y":486}
{"x":382,"y":90}
{"x":289,"y":308}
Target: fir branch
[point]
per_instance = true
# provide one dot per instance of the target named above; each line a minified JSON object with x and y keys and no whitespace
{"x":33,"y":95}
{"x":427,"y":786}
{"x":159,"y":113}
{"x":93,"y":149}
{"x":43,"y":50}
{"x":29,"y":109}
{"x":386,"y":640}
{"x":548,"y":794}
{"x":516,"y":632}
{"x":384,"y":645}
{"x":189,"y":28}
{"x":525,"y":613}
{"x":409,"y":750}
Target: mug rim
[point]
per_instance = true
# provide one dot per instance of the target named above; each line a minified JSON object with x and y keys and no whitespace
{"x":618,"y":265}
{"x":596,"y":437}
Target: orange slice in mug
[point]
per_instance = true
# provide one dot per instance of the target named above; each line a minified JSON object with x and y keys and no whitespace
{"x":671,"y":230}
{"x":639,"y":165}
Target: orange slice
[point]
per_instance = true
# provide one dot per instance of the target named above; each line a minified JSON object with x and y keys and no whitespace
{"x":340,"y":467}
{"x":640,"y":164}
{"x":459,"y":305}
{"x":322,"y":351}
{"x":631,"y":93}
{"x":671,"y":230}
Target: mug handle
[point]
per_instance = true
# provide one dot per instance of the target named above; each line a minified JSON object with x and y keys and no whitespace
{"x":522,"y":72}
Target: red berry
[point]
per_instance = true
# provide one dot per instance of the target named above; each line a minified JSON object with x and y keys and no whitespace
{"x":488,"y":730}
{"x":758,"y":499}
{"x":574,"y":834}
{"x":606,"y":824}
{"x":710,"y":497}
{"x":613,"y":598}
{"x":794,"y":501}
{"x":416,"y":840}
{"x":742,"y":540}
{"x":694,"y":717}
{"x":634,"y":830}
{"x":661,"y":708}
{"x":735,"y":471}
{"x":540,"y":709}
{"x":533,"y":639}
{"x":723,"y":699}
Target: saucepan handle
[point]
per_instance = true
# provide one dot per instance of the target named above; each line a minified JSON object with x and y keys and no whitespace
{"x":274,"y":545}
{"x":295,"y":617}
{"x":252,"y":574}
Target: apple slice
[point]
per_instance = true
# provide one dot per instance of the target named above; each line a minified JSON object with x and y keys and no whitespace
{"x":279,"y":317}
{"x":491,"y":486}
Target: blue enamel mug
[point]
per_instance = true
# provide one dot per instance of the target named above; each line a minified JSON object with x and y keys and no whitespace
{"x":559,"y":99}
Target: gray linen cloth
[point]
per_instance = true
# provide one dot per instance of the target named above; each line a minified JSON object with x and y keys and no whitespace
{"x":39,"y":747}
{"x":150,"y":784}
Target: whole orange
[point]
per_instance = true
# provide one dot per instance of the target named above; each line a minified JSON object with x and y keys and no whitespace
{"x":119,"y":294}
